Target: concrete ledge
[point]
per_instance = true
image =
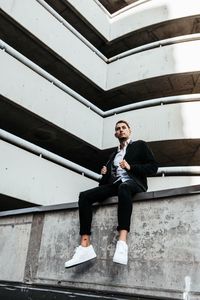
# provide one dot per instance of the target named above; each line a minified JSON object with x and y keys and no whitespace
{"x":164,"y":243}
{"x":188,"y":190}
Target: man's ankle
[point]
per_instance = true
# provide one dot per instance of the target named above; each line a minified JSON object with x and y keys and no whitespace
{"x":85,"y":240}
{"x":85,"y":244}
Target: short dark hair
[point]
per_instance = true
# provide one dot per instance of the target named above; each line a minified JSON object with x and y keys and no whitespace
{"x":122,"y":121}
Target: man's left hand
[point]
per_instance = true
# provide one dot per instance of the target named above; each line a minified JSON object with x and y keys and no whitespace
{"x":124,"y":165}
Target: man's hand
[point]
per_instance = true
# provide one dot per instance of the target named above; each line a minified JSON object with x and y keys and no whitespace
{"x":103,"y":170}
{"x":124,"y":165}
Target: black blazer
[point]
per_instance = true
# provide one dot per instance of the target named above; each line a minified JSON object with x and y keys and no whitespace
{"x":141,"y":160}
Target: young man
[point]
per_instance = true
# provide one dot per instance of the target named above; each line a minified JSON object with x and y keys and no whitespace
{"x":124,"y":175}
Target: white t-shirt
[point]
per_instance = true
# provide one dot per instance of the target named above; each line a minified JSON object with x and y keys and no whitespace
{"x":121,"y":173}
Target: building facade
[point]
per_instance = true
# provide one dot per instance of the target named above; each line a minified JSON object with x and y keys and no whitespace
{"x":70,"y":70}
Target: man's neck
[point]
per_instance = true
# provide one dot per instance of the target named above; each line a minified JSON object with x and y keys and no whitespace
{"x":123,"y":143}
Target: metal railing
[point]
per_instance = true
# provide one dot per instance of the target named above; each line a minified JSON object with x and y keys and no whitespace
{"x":43,"y":153}
{"x":179,"y":171}
{"x":27,"y":62}
{"x":72,"y":29}
{"x":158,"y":44}
{"x":128,"y":7}
{"x":167,"y":100}
{"x":153,"y":102}
{"x":139,"y":105}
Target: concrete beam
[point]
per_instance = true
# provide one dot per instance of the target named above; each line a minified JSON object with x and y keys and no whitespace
{"x":95,"y":15}
{"x":32,"y":92}
{"x":27,"y":86}
{"x":176,"y":121}
{"x":170,"y":60}
{"x":135,"y":17}
{"x":145,"y":35}
{"x":149,"y":13}
{"x":44,"y":27}
{"x":136,"y":91}
{"x":36,"y":180}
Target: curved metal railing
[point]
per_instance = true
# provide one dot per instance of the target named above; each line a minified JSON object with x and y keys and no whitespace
{"x":75,"y":95}
{"x":43,"y":153}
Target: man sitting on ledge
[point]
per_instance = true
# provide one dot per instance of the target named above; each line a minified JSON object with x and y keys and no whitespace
{"x":124,"y":175}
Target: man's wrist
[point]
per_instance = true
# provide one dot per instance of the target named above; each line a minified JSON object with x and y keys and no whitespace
{"x":127,"y":167}
{"x":131,"y":167}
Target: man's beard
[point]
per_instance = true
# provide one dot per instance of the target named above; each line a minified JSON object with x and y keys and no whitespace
{"x":123,"y":139}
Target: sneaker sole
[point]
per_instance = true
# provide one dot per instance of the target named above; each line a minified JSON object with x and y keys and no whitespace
{"x":80,"y":263}
{"x":120,"y":262}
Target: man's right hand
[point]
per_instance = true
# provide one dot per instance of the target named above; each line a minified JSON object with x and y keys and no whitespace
{"x":103,"y":170}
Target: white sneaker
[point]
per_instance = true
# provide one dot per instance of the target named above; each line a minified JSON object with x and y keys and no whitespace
{"x":121,"y":253}
{"x":81,"y":255}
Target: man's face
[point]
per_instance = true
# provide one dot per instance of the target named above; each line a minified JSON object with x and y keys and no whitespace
{"x":122,"y":132}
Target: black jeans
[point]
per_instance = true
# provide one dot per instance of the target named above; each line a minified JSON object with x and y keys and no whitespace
{"x":124,"y":191}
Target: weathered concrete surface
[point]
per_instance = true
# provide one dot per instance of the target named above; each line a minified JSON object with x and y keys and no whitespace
{"x":14,"y":240}
{"x":164,"y":248}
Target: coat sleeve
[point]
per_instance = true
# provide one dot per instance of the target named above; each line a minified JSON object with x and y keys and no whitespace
{"x":148,"y":166}
{"x":106,"y":177}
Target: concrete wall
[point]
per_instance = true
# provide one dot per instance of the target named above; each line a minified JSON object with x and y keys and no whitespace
{"x":152,"y":63}
{"x":149,"y":13}
{"x":171,"y":182}
{"x":176,"y":121}
{"x":139,"y":16}
{"x":44,"y":26}
{"x":28,"y":177}
{"x":24,"y":87}
{"x":28,"y":89}
{"x":163,"y":249}
{"x":95,"y":15}
{"x":14,"y":241}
